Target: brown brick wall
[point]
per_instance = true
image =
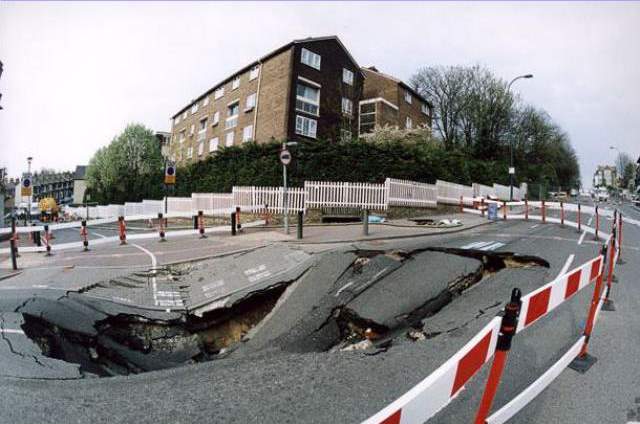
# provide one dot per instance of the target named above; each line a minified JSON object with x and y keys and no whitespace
{"x":272,"y":101}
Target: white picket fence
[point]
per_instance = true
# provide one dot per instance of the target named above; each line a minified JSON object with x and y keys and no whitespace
{"x":411,"y":193}
{"x":329,"y":194}
{"x":314,"y":195}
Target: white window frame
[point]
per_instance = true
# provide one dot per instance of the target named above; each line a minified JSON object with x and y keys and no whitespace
{"x":205,"y":102}
{"x":312,"y":85}
{"x":310,"y":58}
{"x":201,"y":148}
{"x":229,"y":139}
{"x":219,"y":93}
{"x":214,"y":144}
{"x":349,"y":103}
{"x":192,"y":130}
{"x":301,"y":120}
{"x":407,"y":96}
{"x":215,"y":118}
{"x":254,"y":72}
{"x":235,"y":83}
{"x":202,"y":131}
{"x":347,"y":76}
{"x":194,"y":108}
{"x":176,"y":121}
{"x":184,"y":115}
{"x":232,"y":120}
{"x":248,"y":106}
{"x":408,"y":123}
{"x":183,"y":135}
{"x":246,"y":137}
{"x":190,"y":152}
{"x":425,"y":109}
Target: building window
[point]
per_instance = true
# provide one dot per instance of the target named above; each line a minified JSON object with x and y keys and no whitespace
{"x":408,"y":123}
{"x":184,"y":115}
{"x":345,"y":135}
{"x":308,"y":99}
{"x":310,"y":58}
{"x":183,"y":134}
{"x":235,"y":83}
{"x":177,"y":120}
{"x":424,"y":108}
{"x":213,"y":144}
{"x":215,"y":119}
{"x":229,"y":139}
{"x":407,"y":97}
{"x":202,"y":129}
{"x":255,"y":71}
{"x":306,"y":126}
{"x":347,"y":106}
{"x":232,"y":115}
{"x":251,"y":102}
{"x":200,"y":148}
{"x":189,"y":152}
{"x":347,"y":76}
{"x":218,"y":93}
{"x":192,"y":129}
{"x":367,"y":117}
{"x":205,"y":101}
{"x":194,"y":108}
{"x":247,"y":133}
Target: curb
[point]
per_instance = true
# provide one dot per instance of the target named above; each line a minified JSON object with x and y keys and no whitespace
{"x":7,"y":276}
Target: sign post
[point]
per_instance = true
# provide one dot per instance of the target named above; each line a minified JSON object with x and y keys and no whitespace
{"x":285,"y":159}
{"x":169,"y":181}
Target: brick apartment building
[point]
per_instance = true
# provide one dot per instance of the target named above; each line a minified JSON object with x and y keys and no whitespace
{"x":307,"y":89}
{"x":389,"y":102}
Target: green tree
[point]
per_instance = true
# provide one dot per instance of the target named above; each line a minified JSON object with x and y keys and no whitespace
{"x":130,"y":168}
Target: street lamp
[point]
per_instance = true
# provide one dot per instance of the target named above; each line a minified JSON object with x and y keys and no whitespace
{"x":285,"y":198}
{"x":512,"y":169}
{"x":30,"y":198}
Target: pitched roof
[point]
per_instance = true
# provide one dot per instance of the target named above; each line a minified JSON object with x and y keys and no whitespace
{"x":399,"y":82}
{"x":266,"y":57}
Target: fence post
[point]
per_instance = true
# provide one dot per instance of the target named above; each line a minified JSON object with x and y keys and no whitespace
{"x":365,"y":222}
{"x":584,"y":360}
{"x":579,"y":218}
{"x":233,"y":223}
{"x":507,"y":331}
{"x":123,"y":230}
{"x":83,"y":234}
{"x":13,"y":244}
{"x":300,"y":223}
{"x":597,"y":222}
{"x":544,"y":213}
{"x":201,"y":224}
{"x":161,"y":227}
{"x":620,"y":260}
{"x":47,"y":240}
{"x":607,"y":304}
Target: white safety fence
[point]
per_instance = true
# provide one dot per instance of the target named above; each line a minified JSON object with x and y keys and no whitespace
{"x":483,"y":191}
{"x":411,"y":193}
{"x":327,"y":194}
{"x":272,"y":199}
{"x":451,"y":193}
{"x":218,"y":204}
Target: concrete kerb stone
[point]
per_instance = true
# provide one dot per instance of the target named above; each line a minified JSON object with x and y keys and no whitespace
{"x":9,"y":275}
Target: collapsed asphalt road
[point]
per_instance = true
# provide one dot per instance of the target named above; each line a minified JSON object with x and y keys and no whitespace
{"x":329,"y":338}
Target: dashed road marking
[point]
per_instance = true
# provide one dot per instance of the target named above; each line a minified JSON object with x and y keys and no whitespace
{"x":11,"y":331}
{"x":477,"y":245}
{"x":154,"y":264}
{"x":534,"y":226}
{"x":581,"y":239}
{"x":98,"y":234}
{"x":493,"y":246}
{"x":566,"y":265}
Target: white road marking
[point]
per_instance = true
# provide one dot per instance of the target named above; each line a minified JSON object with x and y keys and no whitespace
{"x":476,"y":245}
{"x":566,"y":266}
{"x":98,"y":234}
{"x":581,"y":239}
{"x":11,"y":331}
{"x":350,"y":283}
{"x":493,"y":246}
{"x":534,"y":226}
{"x":590,"y":220}
{"x":154,"y":264}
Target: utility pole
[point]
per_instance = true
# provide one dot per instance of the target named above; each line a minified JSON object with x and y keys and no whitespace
{"x":512,"y":169}
{"x":285,"y":159}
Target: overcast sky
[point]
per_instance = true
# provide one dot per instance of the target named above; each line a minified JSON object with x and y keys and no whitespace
{"x":76,"y":73}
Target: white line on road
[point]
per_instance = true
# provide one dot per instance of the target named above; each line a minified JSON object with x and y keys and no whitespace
{"x":10,"y":331}
{"x":154,"y":264}
{"x":534,"y":226}
{"x":98,"y":234}
{"x":566,"y":266}
{"x":590,"y":220}
{"x":581,"y":239}
{"x":350,"y":283}
{"x":493,"y":246}
{"x":477,"y":244}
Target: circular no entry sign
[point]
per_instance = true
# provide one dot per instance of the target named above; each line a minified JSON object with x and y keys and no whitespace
{"x":285,"y":157}
{"x":170,"y":170}
{"x":26,"y":183}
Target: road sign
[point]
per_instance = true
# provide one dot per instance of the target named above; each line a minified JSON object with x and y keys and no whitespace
{"x":26,"y":186}
{"x":512,"y":170}
{"x":170,"y":174}
{"x":285,"y":157}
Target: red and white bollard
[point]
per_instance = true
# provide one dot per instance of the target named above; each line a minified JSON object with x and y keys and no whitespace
{"x":238,"y":223}
{"x":161,"y":227}
{"x":526,"y":209}
{"x":544,"y":213}
{"x":504,"y":210}
{"x":561,"y":213}
{"x":620,"y":261}
{"x":607,"y":304}
{"x":201,"y":224}
{"x":579,"y":218}
{"x":84,"y":235}
{"x":122,"y":228}
{"x":482,"y":207}
{"x":47,"y":240}
{"x":507,"y":331}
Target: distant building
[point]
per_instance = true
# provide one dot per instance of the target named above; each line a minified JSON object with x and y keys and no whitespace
{"x":605,"y":176}
{"x":389,"y":102}
{"x":79,"y":184}
{"x":58,"y":185}
{"x":306,"y":89}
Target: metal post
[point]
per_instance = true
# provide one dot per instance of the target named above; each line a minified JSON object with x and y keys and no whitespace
{"x":300,"y":223}
{"x":233,"y":223}
{"x":507,"y":331}
{"x":597,"y":222}
{"x":238,"y":223}
{"x":14,"y":247}
{"x":365,"y":222}
{"x":579,"y":218}
{"x":47,"y":240}
{"x":561,"y":213}
{"x":482,"y":207}
{"x":285,"y":200}
{"x":504,"y":210}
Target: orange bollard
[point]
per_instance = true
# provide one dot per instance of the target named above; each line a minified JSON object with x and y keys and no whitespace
{"x":504,"y":210}
{"x":544,"y":213}
{"x":607,"y":304}
{"x":238,"y":224}
{"x":507,"y":331}
{"x":201,"y":224}
{"x":122,"y":227}
{"x":526,"y":209}
{"x":47,"y":240}
{"x":561,"y":213}
{"x":161,"y":227}
{"x":83,"y":235}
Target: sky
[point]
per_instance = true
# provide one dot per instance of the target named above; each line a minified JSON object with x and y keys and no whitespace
{"x":76,"y":73}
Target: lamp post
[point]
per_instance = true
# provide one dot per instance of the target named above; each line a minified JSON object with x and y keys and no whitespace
{"x":613,"y":180}
{"x":512,"y":169}
{"x":285,"y":198}
{"x":30,"y":198}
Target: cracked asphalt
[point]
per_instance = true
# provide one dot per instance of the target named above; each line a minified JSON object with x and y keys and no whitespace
{"x":286,"y":371}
